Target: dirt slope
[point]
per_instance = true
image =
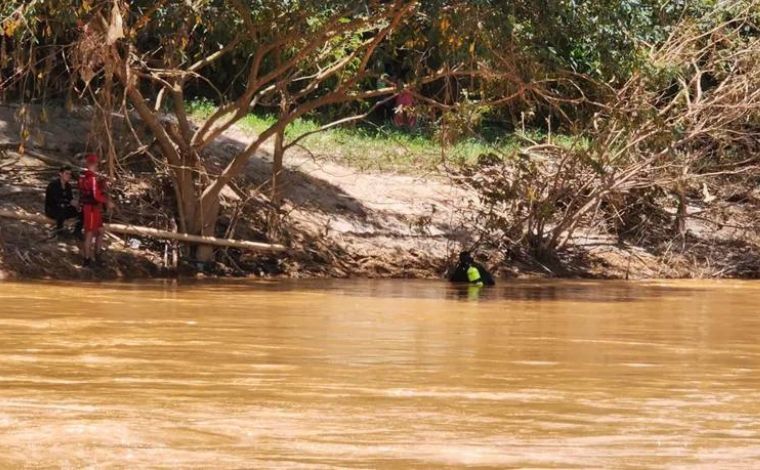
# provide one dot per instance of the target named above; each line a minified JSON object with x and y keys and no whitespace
{"x":388,"y":224}
{"x":355,"y":224}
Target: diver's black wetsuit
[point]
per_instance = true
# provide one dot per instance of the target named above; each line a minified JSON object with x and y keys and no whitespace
{"x":460,"y":273}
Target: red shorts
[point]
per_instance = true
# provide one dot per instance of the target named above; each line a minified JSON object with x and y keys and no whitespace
{"x":93,"y":217}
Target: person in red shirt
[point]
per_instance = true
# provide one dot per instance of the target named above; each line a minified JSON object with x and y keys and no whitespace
{"x":403,"y":111}
{"x":92,"y":197}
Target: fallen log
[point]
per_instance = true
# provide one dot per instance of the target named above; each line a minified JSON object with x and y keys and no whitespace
{"x":53,"y":161}
{"x":140,"y":231}
{"x":194,"y":239}
{"x":22,"y":215}
{"x":13,"y":190}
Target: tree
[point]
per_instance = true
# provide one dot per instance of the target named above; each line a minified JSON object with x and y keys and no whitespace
{"x":312,"y":54}
{"x":688,"y":116}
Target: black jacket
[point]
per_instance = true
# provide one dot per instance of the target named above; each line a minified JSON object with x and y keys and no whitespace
{"x":57,"y":196}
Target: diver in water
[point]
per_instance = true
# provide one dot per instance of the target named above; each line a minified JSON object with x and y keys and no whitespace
{"x":471,"y":272}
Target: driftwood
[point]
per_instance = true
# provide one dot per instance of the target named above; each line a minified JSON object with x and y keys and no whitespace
{"x":13,"y":190}
{"x":156,"y":233}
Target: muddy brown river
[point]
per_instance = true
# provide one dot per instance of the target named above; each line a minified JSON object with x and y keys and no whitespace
{"x":380,"y":374}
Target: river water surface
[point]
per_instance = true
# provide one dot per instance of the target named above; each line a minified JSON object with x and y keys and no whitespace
{"x":385,"y":374}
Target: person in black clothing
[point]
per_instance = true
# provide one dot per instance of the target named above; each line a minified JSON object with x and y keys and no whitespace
{"x":460,"y":273}
{"x":59,"y":202}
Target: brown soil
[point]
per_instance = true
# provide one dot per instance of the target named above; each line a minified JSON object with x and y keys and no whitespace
{"x":337,"y":221}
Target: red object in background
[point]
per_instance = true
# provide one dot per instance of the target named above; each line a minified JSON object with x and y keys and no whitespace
{"x":92,"y":197}
{"x":403,"y":116}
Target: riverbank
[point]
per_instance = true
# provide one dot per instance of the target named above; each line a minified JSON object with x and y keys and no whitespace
{"x":337,"y":220}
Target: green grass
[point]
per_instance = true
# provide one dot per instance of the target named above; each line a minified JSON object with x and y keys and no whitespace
{"x":382,"y":148}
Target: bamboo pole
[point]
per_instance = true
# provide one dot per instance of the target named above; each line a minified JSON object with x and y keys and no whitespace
{"x":156,"y":233}
{"x":196,"y":239}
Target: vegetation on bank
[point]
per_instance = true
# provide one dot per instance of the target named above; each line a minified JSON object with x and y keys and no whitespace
{"x":661,"y":100}
{"x":373,"y":146}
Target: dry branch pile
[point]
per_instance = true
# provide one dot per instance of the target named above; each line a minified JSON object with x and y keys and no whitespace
{"x":671,"y":145}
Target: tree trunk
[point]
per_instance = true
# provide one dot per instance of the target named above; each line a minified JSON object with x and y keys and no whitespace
{"x":204,"y":223}
{"x":276,"y":195}
{"x":187,"y":199}
{"x":196,"y":215}
{"x":681,"y":214}
{"x":107,"y":145}
{"x":277,"y":175}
